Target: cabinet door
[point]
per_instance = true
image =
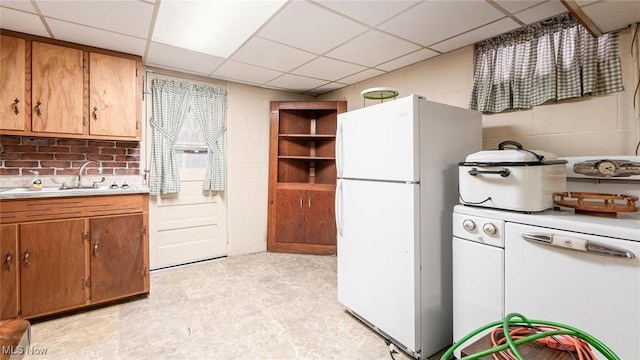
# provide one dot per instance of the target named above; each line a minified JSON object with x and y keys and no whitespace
{"x":320,"y":223}
{"x":8,"y":272}
{"x":113,"y":97}
{"x":57,"y":93}
{"x":290,"y":208}
{"x":117,"y":258}
{"x":52,"y":266}
{"x":12,"y":83}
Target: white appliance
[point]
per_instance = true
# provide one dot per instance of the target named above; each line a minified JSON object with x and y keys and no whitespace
{"x":511,"y":178}
{"x":558,"y":265}
{"x":397,"y":176}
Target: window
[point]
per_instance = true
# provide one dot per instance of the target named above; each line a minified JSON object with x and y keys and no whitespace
{"x":191,"y":149}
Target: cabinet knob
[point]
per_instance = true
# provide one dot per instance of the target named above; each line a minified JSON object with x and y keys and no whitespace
{"x":8,"y":260}
{"x":95,"y":250}
{"x":15,"y":106}
{"x":38,"y":112}
{"x":95,"y":113}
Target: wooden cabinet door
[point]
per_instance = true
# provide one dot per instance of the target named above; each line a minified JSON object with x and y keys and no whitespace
{"x":52,"y":266}
{"x":8,"y":271}
{"x":289,"y":216}
{"x":320,"y":223}
{"x":117,"y":258}
{"x":12,"y":83}
{"x":58,"y":89}
{"x":112,"y":96}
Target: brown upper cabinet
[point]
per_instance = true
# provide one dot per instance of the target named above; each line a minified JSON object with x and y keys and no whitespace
{"x":52,"y":88}
{"x":12,"y":84}
{"x":57,"y":95}
{"x":112,"y":96}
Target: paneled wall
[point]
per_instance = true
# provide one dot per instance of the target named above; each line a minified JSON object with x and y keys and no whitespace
{"x":601,"y":125}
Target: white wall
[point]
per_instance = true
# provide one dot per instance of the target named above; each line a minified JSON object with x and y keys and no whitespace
{"x":602,"y":125}
{"x":248,"y":165}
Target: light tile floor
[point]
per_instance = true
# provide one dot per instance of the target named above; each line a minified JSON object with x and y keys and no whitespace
{"x":258,"y":306}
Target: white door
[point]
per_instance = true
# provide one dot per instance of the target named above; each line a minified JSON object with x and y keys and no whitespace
{"x":599,"y":294}
{"x":478,"y":296}
{"x":378,"y":255}
{"x":379,"y":142}
{"x":191,"y":225}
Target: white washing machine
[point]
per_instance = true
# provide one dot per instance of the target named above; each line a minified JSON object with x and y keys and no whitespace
{"x":556,"y":265}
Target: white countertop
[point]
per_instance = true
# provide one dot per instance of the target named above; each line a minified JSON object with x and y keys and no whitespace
{"x":49,"y":192}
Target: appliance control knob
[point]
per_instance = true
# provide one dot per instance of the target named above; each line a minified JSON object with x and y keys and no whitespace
{"x":468,"y":224}
{"x":489,"y":229}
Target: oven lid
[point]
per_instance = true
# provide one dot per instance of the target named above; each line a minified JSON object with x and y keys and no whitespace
{"x":511,"y":153}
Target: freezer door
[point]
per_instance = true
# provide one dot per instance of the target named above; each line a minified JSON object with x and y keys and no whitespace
{"x":379,"y":142}
{"x":378,"y":266}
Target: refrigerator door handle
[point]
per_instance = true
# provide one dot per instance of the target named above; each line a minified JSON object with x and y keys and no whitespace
{"x":338,"y":207}
{"x":339,"y":150}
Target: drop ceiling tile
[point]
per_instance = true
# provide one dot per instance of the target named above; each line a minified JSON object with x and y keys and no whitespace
{"x":327,"y":88}
{"x":474,"y":36}
{"x":94,"y":37}
{"x":212,"y":27}
{"x":370,"y":12}
{"x":126,"y":17}
{"x":515,"y":6}
{"x":541,"y":12}
{"x":295,"y":82}
{"x":372,"y":48}
{"x":309,"y":27}
{"x":23,"y":22}
{"x":327,"y":69}
{"x":613,"y":15}
{"x":269,"y":54}
{"x":361,"y":76}
{"x":408,"y":60}
{"x":18,"y":5}
{"x":161,"y":55}
{"x":238,"y":71}
{"x":433,"y":21}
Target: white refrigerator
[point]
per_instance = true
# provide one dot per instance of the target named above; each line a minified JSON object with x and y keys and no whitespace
{"x":397,"y":165}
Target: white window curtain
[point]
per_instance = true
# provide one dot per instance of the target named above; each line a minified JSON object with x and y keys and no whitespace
{"x":171,"y":103}
{"x":209,"y":107}
{"x":552,"y":60}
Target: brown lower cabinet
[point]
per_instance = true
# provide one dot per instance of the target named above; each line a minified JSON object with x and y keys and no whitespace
{"x":57,"y":261}
{"x":306,"y":221}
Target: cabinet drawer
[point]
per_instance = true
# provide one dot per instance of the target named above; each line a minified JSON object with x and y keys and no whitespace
{"x":23,"y":210}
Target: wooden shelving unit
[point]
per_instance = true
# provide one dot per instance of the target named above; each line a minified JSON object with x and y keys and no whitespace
{"x":302,"y":176}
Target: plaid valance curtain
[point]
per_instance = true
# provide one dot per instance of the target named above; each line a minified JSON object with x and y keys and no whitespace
{"x":171,"y":103}
{"x":552,"y":60}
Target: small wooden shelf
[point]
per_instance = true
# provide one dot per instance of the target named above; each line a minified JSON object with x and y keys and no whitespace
{"x":307,"y":157}
{"x":307,"y":136}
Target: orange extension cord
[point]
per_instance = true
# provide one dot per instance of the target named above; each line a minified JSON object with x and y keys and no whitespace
{"x":559,"y":342}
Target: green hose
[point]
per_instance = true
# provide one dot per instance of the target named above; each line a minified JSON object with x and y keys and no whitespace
{"x":511,"y":344}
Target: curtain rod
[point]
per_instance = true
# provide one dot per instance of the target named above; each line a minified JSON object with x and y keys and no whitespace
{"x":165,"y":72}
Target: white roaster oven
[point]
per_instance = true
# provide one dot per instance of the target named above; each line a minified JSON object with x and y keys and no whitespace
{"x":577,"y":264}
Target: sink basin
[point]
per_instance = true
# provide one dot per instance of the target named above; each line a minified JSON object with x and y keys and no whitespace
{"x":49,"y":190}
{"x":27,"y":190}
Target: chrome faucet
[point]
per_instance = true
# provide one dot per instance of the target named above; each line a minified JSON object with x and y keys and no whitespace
{"x":84,"y":166}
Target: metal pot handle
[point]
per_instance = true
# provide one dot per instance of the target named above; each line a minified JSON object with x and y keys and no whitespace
{"x":509,"y":142}
{"x":518,"y":146}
